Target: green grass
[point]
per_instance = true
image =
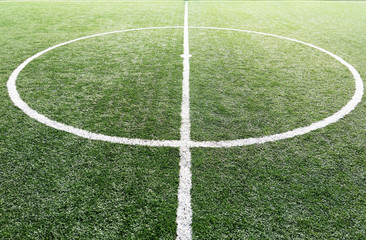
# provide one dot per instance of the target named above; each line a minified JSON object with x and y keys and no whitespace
{"x":126,"y":85}
{"x":57,"y":185}
{"x":262,"y":85}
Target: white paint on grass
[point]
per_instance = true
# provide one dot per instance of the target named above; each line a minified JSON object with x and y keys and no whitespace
{"x":184,"y":211}
{"x":181,"y":1}
{"x":14,"y":95}
{"x":280,"y":1}
{"x":302,"y":130}
{"x":185,"y":130}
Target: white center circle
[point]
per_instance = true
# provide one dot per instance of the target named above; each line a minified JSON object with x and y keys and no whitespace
{"x":14,"y":95}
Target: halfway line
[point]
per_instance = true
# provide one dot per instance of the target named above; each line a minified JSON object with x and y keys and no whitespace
{"x":184,"y":211}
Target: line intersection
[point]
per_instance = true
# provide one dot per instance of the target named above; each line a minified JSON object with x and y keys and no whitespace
{"x":184,"y":211}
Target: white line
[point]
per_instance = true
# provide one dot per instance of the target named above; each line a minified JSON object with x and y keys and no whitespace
{"x":185,"y":129}
{"x":351,"y":105}
{"x":181,"y":2}
{"x":88,"y":2}
{"x":279,"y":1}
{"x":14,"y":96}
{"x":184,"y":211}
{"x":184,"y":141}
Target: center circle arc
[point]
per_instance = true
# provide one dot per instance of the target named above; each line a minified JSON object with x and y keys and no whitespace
{"x":15,"y":97}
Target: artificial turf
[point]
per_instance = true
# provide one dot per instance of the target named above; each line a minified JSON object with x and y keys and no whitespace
{"x":57,"y":185}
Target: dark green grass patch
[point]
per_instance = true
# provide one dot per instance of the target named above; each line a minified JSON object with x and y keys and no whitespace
{"x":278,"y":192}
{"x":61,"y":187}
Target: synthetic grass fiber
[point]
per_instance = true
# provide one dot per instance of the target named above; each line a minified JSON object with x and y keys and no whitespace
{"x":54,"y":185}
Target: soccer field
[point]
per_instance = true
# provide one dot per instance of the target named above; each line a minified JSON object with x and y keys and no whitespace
{"x":182,"y":119}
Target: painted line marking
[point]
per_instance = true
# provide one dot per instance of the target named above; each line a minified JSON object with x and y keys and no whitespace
{"x":181,"y":2}
{"x":184,"y":210}
{"x":185,"y":129}
{"x":279,"y":1}
{"x":357,"y":97}
{"x":15,"y":97}
{"x":351,"y":105}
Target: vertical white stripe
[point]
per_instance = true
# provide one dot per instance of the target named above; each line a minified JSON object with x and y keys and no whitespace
{"x":184,"y":211}
{"x":185,"y":129}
